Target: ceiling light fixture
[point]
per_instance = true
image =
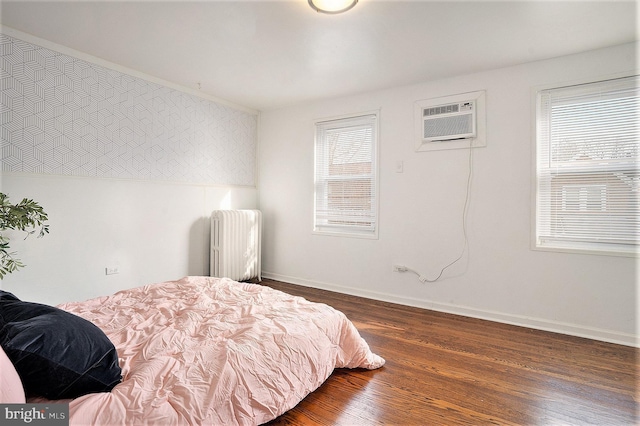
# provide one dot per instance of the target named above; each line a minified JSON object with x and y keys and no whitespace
{"x":332,"y":6}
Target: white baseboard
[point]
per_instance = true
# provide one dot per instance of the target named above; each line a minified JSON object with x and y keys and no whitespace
{"x":519,"y":320}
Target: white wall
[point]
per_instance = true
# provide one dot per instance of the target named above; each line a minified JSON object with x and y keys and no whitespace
{"x":127,"y":167}
{"x":500,"y":277}
{"x":152,"y":231}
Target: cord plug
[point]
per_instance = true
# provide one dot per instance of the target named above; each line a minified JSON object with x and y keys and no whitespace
{"x":400,"y":268}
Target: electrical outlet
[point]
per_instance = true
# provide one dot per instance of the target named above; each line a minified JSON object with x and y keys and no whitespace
{"x":112,"y":270}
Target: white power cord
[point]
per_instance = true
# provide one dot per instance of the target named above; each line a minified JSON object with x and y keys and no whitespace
{"x":424,"y":279}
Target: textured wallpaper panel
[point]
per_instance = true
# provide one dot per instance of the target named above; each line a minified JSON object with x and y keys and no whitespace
{"x":65,"y":116}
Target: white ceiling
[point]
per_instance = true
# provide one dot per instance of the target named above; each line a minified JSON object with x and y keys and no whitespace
{"x":267,"y":54}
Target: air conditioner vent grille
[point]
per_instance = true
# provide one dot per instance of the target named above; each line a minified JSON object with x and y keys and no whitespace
{"x":442,"y":109}
{"x":459,"y":125}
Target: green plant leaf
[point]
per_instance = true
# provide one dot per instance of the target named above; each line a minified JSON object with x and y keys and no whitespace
{"x":26,"y":216}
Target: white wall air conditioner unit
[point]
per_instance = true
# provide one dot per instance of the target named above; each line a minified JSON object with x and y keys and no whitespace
{"x":451,"y":122}
{"x":447,"y":122}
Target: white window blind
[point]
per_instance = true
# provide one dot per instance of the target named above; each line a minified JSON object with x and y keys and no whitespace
{"x":587,"y":167}
{"x":345,"y":176}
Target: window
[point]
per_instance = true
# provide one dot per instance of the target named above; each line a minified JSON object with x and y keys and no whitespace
{"x":587,"y":195}
{"x":345,"y":176}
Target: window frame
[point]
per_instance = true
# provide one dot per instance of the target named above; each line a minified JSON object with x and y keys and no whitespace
{"x":346,"y":230}
{"x":568,"y":246}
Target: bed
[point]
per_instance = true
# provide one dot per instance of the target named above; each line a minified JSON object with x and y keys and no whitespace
{"x":201,"y":350}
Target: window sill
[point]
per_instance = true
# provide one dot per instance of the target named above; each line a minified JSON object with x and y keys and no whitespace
{"x":369,"y":235}
{"x":575,"y":249}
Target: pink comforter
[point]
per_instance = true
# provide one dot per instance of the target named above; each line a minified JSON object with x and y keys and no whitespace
{"x":209,"y":351}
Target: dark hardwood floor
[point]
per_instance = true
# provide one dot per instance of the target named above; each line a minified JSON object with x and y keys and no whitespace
{"x":443,"y":369}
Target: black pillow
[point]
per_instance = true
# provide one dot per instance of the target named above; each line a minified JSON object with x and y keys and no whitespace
{"x":57,"y":355}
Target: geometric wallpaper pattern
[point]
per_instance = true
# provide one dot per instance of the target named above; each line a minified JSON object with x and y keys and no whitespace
{"x":64,"y":116}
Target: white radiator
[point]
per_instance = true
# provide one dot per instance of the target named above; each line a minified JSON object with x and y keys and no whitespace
{"x":236,"y":240}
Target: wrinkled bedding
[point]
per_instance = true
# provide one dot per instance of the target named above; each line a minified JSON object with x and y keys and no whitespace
{"x":210,"y":351}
